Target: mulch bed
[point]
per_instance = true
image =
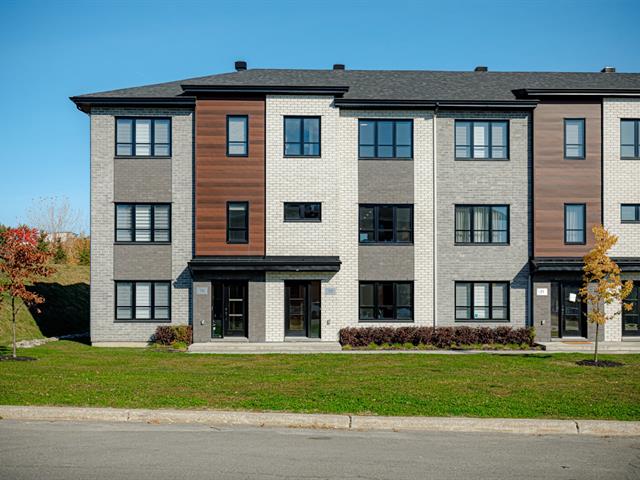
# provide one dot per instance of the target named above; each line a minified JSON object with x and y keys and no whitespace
{"x":9,"y":358}
{"x":599,"y":363}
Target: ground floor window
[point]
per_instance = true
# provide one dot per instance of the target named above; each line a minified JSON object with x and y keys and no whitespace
{"x":145,"y":301}
{"x":386,"y":301}
{"x":482,"y":301}
{"x":631,"y":318}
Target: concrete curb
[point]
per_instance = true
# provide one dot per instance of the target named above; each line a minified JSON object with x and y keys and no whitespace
{"x":322,"y":421}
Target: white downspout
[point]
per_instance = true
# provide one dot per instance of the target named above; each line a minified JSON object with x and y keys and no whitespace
{"x":435,"y":215}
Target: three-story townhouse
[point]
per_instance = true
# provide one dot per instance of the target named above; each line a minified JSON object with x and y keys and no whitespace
{"x":284,"y":205}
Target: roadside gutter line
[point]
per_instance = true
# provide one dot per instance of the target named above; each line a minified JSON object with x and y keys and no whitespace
{"x":323,"y":421}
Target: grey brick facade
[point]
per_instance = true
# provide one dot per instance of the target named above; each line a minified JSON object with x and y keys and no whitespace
{"x":138,"y":180}
{"x":480,"y":182}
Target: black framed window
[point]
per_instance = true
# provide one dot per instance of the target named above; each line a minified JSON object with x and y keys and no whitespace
{"x":237,"y":135}
{"x":144,"y":223}
{"x":143,"y":301}
{"x":630,"y":213}
{"x":631,"y":318}
{"x":237,"y":222}
{"x":481,"y":140}
{"x":482,"y":301}
{"x":575,"y":223}
{"x":386,"y":301}
{"x":385,"y":139}
{"x":574,"y":138}
{"x":386,"y":223}
{"x":630,"y":139}
{"x":302,"y":212}
{"x":482,"y":224}
{"x":143,"y":137}
{"x":301,"y":136}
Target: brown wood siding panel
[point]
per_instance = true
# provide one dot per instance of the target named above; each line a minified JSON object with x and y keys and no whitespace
{"x":220,"y":179}
{"x":558,"y":181}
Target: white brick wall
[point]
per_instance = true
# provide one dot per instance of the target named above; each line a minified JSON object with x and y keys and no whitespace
{"x":103,"y":327}
{"x":621,"y":185}
{"x":333,"y":180}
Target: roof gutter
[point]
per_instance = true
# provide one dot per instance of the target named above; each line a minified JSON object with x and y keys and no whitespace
{"x":86,"y":103}
{"x":576,"y":92}
{"x":348,"y":103}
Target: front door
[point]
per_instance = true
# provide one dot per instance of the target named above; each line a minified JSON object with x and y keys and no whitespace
{"x":631,"y":318}
{"x":302,"y":309}
{"x":572,"y":311}
{"x":229,"y":309}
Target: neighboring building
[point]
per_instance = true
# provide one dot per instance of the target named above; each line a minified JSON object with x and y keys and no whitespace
{"x":273,"y":205}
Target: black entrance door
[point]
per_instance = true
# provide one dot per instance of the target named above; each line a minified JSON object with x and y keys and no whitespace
{"x":631,"y":318}
{"x":229,"y":309}
{"x":302,"y":309}
{"x":572,"y":311}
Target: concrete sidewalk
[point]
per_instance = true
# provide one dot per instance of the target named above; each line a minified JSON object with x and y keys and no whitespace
{"x":320,"y":421}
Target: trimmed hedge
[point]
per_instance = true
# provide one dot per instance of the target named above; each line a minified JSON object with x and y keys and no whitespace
{"x":170,"y":334}
{"x":439,"y":337}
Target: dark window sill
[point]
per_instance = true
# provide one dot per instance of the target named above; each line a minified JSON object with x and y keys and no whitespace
{"x":575,"y":243}
{"x":238,"y":156}
{"x":236,"y":243}
{"x":142,"y":243}
{"x":302,"y":156}
{"x":575,"y":158}
{"x":482,"y":244}
{"x":302,"y":221}
{"x":482,"y":159}
{"x":629,"y":158}
{"x":400,"y":159}
{"x":630,"y":221}
{"x":390,"y":320}
{"x":120,"y":320}
{"x":137,"y":157}
{"x":388,"y":244}
{"x":502,"y":320}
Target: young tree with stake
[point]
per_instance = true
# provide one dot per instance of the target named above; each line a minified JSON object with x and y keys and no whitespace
{"x":602,"y":285}
{"x":22,"y":262}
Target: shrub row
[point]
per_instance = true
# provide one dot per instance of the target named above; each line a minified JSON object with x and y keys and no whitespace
{"x":170,"y":334}
{"x":439,"y":337}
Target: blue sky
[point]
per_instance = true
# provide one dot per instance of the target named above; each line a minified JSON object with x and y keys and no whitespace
{"x":52,"y":50}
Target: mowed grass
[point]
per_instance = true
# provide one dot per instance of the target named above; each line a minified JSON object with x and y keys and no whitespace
{"x":484,"y":385}
{"x":65,"y":310}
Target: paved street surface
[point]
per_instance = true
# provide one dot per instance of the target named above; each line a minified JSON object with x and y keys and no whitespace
{"x":63,"y":450}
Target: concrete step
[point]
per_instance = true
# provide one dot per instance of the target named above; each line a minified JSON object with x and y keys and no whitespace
{"x":588,"y":347}
{"x":266,"y":347}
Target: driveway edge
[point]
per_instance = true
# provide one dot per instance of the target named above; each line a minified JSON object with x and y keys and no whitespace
{"x":323,"y":421}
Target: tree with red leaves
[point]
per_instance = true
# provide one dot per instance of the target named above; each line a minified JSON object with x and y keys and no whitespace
{"x":22,"y":261}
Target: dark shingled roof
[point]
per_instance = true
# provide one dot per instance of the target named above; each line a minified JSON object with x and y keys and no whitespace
{"x":393,"y":84}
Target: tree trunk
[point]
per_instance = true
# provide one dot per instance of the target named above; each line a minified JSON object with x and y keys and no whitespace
{"x":595,"y":356}
{"x":13,"y":318}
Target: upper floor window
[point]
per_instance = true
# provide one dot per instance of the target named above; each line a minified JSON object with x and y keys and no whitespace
{"x":482,"y":224}
{"x":302,"y":212}
{"x":237,"y":135}
{"x":630,"y":139}
{"x":302,"y":136}
{"x":144,"y":301}
{"x":143,"y":137}
{"x":385,"y":139}
{"x":630,"y":213}
{"x":482,"y":301}
{"x":386,"y":301}
{"x":574,"y":138}
{"x":237,"y":222}
{"x":143,"y":223}
{"x":482,"y":139}
{"x":386,"y":223}
{"x":575,"y":223}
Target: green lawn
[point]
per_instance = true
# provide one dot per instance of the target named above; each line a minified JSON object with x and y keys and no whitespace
{"x":66,"y":307}
{"x":541,"y":385}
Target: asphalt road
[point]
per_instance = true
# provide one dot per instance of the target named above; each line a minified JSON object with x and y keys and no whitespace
{"x":63,"y":450}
